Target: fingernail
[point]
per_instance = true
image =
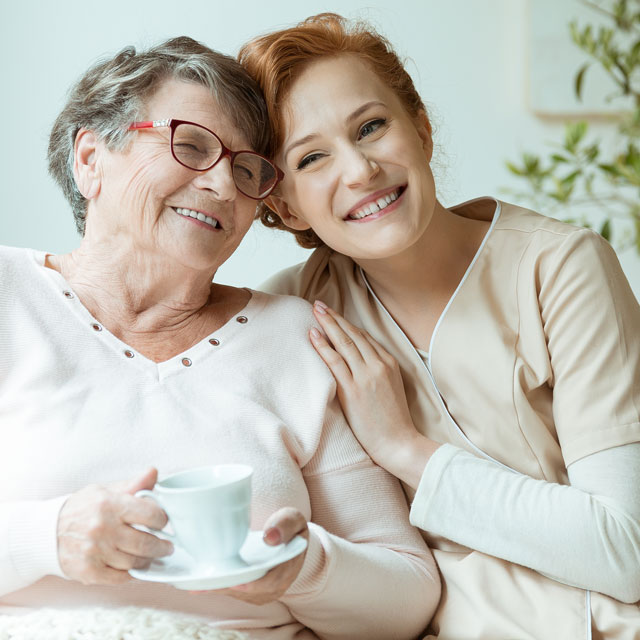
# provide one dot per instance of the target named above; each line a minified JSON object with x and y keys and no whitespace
{"x":320,"y":306}
{"x":272,"y":536}
{"x":315,"y":334}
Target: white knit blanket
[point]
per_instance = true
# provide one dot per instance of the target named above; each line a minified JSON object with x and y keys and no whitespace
{"x":129,"y":623}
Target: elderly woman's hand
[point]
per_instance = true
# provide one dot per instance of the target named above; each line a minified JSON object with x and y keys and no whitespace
{"x":96,"y":542}
{"x":284,"y":525}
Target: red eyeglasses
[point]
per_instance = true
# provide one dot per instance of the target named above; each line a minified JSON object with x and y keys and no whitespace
{"x":200,"y":149}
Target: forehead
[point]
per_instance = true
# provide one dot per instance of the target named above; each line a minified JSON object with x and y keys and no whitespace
{"x":184,"y":100}
{"x":329,"y":89}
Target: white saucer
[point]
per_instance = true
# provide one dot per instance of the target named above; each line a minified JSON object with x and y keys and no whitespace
{"x":256,"y":558}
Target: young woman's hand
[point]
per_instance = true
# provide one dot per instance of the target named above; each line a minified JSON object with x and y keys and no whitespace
{"x":372,"y":395}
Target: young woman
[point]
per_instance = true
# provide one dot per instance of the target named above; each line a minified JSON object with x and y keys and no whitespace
{"x":497,"y":367}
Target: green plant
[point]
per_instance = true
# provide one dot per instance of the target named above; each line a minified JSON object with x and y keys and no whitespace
{"x":596,"y":186}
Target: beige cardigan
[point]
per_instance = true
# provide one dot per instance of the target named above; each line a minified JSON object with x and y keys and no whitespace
{"x":534,"y":362}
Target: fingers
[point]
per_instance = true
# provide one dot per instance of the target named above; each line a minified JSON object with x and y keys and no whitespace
{"x":146,"y":480}
{"x":284,"y":525}
{"x":349,"y":341}
{"x":271,"y":586}
{"x":96,"y":542}
{"x":281,"y":527}
{"x":141,"y":544}
{"x":336,"y":363}
{"x":143,"y":511}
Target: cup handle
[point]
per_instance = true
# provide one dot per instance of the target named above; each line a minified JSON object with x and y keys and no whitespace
{"x":145,"y":493}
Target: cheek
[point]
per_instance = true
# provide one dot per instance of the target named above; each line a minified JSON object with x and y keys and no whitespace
{"x":245,"y":215}
{"x":308,"y":195}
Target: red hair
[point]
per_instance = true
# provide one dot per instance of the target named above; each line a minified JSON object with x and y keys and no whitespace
{"x":277,"y":59}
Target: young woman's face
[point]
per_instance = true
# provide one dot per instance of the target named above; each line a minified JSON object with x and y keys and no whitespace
{"x":356,"y":164}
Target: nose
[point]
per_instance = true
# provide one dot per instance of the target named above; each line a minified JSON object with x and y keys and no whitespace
{"x":218,"y":179}
{"x":358,"y":168}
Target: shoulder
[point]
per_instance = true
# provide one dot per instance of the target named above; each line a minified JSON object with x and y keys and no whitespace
{"x":15,"y":263}
{"x":284,"y":315}
{"x":324,"y":271}
{"x":526,"y":221}
{"x":546,"y":244}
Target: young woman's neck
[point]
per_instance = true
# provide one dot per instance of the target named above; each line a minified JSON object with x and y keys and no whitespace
{"x":416,"y":284}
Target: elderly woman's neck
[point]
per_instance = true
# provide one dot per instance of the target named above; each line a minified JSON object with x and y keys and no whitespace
{"x":133,"y":289}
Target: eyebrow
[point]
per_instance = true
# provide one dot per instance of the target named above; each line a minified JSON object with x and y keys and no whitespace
{"x":350,"y":118}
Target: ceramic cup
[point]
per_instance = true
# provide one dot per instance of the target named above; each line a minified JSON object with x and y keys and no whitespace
{"x":209,"y":510}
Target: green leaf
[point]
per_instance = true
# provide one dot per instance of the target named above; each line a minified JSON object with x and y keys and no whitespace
{"x":611,"y":169}
{"x":574,"y":132}
{"x":556,"y":157}
{"x":531,"y":163}
{"x":578,"y":80}
{"x":605,"y":230}
{"x":571,"y":178}
{"x":591,"y":153}
{"x":514,"y":169}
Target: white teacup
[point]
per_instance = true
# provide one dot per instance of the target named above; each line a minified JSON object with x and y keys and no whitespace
{"x":209,"y":510}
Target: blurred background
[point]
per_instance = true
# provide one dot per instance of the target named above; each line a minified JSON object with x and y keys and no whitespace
{"x":498,"y":76}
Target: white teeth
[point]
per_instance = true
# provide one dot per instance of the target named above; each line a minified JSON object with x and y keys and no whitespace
{"x":374,"y":207}
{"x":189,"y":213}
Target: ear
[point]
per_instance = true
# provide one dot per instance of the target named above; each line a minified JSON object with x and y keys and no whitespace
{"x":85,"y":163}
{"x":287,"y":215}
{"x":423,"y":127}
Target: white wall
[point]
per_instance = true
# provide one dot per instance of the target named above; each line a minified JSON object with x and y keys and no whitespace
{"x":468,"y":57}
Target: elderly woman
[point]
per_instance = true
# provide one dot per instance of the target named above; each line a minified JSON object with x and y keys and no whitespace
{"x":123,"y":356}
{"x":498,"y":373}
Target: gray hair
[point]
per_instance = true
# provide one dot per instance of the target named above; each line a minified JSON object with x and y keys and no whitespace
{"x":111,"y":95}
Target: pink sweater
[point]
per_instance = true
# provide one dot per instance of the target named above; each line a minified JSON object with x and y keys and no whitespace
{"x":74,"y":410}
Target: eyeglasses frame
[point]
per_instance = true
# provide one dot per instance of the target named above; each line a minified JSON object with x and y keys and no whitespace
{"x":173,"y":123}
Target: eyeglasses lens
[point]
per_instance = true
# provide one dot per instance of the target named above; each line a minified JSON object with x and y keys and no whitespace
{"x":198,"y":149}
{"x":195,"y":147}
{"x":253,"y":175}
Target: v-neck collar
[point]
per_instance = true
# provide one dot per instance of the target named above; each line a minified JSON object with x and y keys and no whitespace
{"x":187,"y":360}
{"x":428,"y":354}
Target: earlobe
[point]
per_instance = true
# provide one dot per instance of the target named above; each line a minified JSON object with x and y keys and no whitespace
{"x":85,"y":164}
{"x":287,"y":215}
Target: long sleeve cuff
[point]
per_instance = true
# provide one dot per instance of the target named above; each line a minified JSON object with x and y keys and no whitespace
{"x":314,"y":571}
{"x":431,"y":477}
{"x":33,"y":545}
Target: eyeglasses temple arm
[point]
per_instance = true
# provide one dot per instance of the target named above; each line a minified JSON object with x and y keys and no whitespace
{"x":149,"y":124}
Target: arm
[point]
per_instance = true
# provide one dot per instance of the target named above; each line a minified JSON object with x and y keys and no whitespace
{"x":590,"y":319}
{"x":28,"y":542}
{"x":586,"y":535}
{"x":367,"y":573}
{"x":85,"y":536}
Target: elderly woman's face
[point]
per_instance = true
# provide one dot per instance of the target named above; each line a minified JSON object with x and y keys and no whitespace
{"x":146,"y":196}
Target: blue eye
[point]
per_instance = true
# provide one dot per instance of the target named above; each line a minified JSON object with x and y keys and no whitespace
{"x":371,"y":127}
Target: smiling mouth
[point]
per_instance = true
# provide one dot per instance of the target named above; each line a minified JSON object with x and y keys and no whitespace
{"x":376,"y":205}
{"x":198,"y":215}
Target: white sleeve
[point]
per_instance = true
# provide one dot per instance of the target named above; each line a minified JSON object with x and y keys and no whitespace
{"x":28,"y":542}
{"x":586,"y":535}
{"x":367,"y":572}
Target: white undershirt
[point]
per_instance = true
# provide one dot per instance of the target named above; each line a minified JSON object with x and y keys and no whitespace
{"x":586,"y":535}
